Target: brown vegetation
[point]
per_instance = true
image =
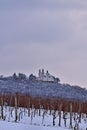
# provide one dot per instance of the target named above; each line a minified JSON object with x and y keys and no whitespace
{"x":50,"y":103}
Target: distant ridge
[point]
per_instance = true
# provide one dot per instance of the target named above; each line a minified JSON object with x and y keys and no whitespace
{"x":30,"y":85}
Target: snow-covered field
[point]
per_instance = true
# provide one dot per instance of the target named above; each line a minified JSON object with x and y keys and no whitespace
{"x":16,"y":126}
{"x":4,"y":125}
{"x":38,"y":121}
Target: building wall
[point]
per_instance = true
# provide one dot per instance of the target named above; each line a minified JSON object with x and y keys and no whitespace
{"x":45,"y":76}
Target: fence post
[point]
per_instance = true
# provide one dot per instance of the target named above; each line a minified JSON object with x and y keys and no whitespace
{"x":28,"y":106}
{"x":54,"y":117}
{"x":16,"y":117}
{"x":70,"y":115}
{"x":80,"y":113}
{"x":2,"y":113}
{"x":60,"y":107}
{"x":39,"y":100}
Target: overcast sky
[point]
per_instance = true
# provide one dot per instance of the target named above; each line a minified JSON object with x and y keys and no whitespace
{"x":49,"y":34}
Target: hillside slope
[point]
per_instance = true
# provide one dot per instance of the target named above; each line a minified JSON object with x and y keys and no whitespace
{"x":42,"y":89}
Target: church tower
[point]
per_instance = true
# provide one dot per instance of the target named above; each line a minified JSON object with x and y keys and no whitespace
{"x":39,"y":73}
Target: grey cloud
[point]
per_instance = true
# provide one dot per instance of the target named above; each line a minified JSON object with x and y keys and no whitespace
{"x":20,"y":24}
{"x":46,"y":4}
{"x":27,"y":26}
{"x":50,"y":34}
{"x":34,"y":27}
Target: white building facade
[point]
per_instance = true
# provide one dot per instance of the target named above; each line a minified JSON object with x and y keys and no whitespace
{"x":42,"y":76}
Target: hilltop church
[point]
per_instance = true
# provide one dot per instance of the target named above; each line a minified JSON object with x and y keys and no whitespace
{"x":42,"y":76}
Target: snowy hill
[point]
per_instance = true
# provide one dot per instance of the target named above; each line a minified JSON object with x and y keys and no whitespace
{"x":42,"y":89}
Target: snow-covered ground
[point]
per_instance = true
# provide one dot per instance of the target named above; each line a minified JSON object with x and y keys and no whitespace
{"x":38,"y":121}
{"x":4,"y":125}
